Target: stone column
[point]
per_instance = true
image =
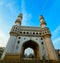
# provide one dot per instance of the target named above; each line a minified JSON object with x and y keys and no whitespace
{"x":50,"y":49}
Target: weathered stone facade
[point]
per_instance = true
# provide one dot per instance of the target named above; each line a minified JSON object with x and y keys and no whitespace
{"x":37,"y":38}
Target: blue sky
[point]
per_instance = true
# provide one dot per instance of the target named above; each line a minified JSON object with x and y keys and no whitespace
{"x":31,"y":9}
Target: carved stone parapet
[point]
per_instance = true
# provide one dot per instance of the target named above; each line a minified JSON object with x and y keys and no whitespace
{"x":46,"y":32}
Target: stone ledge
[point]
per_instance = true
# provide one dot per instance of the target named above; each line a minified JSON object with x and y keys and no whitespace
{"x":29,"y":61}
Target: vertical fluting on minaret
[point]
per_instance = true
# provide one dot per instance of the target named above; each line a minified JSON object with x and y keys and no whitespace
{"x":42,"y":22}
{"x":19,"y":19}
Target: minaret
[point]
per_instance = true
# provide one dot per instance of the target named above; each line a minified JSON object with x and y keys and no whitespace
{"x":47,"y":38}
{"x":13,"y":36}
{"x":42,"y":22}
{"x":19,"y":19}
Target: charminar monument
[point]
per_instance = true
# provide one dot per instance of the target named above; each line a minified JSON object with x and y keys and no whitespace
{"x":37,"y":38}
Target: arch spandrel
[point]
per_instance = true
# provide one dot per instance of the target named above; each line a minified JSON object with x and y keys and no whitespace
{"x":32,"y":39}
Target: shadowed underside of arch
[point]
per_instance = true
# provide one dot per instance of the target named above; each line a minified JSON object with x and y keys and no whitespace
{"x":32,"y":44}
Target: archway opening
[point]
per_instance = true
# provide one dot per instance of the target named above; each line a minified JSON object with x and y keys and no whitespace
{"x":34,"y":49}
{"x":29,"y":53}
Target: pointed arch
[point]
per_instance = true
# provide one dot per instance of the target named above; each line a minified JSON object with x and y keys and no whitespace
{"x":32,"y":44}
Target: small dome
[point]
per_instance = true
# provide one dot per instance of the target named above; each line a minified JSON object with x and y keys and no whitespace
{"x":41,"y":17}
{"x":20,"y":15}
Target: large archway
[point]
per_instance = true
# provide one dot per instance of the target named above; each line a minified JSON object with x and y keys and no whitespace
{"x":33,"y":45}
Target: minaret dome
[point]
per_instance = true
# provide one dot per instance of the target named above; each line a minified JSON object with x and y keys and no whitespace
{"x":42,"y":22}
{"x":19,"y":19}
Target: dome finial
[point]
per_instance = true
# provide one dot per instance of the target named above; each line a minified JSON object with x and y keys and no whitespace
{"x":42,"y":21}
{"x":19,"y":19}
{"x":41,"y":17}
{"x":20,"y":15}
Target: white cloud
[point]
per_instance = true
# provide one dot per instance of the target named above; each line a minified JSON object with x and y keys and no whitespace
{"x":3,"y":39}
{"x":56,"y":43}
{"x":1,"y":3}
{"x":56,"y":32}
{"x":56,"y":37}
{"x":57,"y":40}
{"x":10,"y":5}
{"x":26,"y":16}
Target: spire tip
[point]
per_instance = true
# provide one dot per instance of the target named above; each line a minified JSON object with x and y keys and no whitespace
{"x":41,"y":17}
{"x":20,"y":15}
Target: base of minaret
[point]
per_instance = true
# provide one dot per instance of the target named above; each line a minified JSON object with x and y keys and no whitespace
{"x":10,"y":57}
